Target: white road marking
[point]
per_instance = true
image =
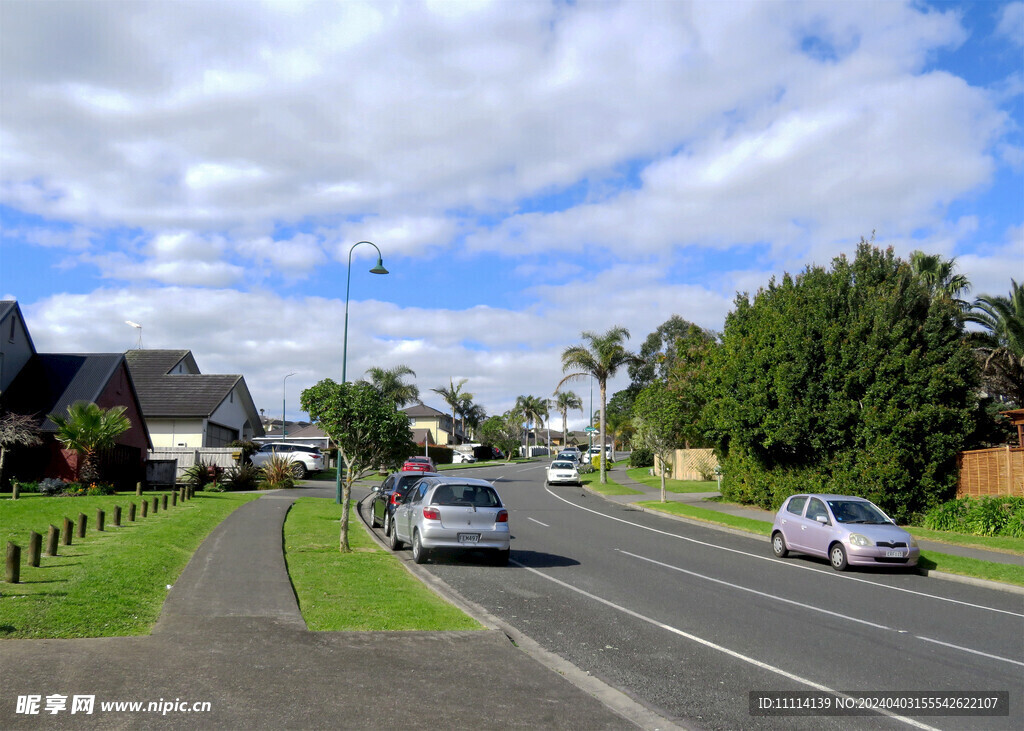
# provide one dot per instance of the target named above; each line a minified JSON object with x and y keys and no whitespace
{"x":811,"y":607}
{"x":719,"y":648}
{"x":790,"y":564}
{"x":537,"y":522}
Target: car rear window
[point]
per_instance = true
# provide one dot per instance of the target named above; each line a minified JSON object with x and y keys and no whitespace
{"x":405,"y":482}
{"x":482,"y":496}
{"x":562,"y":465}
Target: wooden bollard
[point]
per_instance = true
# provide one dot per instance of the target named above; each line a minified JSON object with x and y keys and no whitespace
{"x":117,"y":516}
{"x":66,"y":535}
{"x":145,"y":508}
{"x":82,"y":523}
{"x":138,"y":488}
{"x":35,"y":544}
{"x":174,"y":499}
{"x":15,"y":489}
{"x":52,"y":536}
{"x":13,"y":573}
{"x":100,"y":519}
{"x":156,"y":505}
{"x":164,"y":501}
{"x":131,"y":512}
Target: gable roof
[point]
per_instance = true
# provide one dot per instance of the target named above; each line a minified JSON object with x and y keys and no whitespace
{"x":10,"y":308}
{"x":51,"y":382}
{"x":149,"y":364}
{"x":423,"y":411}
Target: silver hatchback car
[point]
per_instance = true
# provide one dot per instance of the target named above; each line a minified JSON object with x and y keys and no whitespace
{"x":847,"y":530}
{"x":451,"y":513}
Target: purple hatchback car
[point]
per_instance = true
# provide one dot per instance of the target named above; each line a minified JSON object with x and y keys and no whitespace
{"x":848,"y":531}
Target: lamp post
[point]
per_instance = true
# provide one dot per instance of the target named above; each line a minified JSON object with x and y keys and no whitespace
{"x":379,"y":269}
{"x":284,"y":427}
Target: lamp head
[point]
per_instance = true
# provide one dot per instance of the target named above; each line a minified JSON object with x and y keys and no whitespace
{"x":379,"y":269}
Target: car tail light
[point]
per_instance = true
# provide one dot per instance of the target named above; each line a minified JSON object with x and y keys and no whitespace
{"x":431,"y":513}
{"x":394,"y":498}
{"x":502,"y":517}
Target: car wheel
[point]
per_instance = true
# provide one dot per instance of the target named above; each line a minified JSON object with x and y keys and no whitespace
{"x":298,"y":470}
{"x":387,"y":524}
{"x":500,"y":558}
{"x":373,"y":517}
{"x":393,"y":541}
{"x":779,"y":545}
{"x":419,"y":553}
{"x":837,"y":556}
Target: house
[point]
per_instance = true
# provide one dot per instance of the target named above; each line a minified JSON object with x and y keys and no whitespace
{"x":436,"y":426}
{"x":185,"y":408}
{"x":40,"y":384}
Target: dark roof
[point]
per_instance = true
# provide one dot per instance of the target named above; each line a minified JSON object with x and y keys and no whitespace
{"x":9,"y":308}
{"x":51,"y":382}
{"x":154,"y":363}
{"x":423,"y":410}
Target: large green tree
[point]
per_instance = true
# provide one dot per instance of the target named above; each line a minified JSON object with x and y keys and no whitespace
{"x":87,"y":429}
{"x":391,"y":382}
{"x":504,"y":432}
{"x":659,"y":420}
{"x":534,"y":411}
{"x":367,"y":428}
{"x":851,"y":380}
{"x":601,"y":356}
{"x":1001,"y":344}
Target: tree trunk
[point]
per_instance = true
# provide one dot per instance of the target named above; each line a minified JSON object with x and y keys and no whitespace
{"x":604,"y":390}
{"x":346,"y":495}
{"x":663,"y":494}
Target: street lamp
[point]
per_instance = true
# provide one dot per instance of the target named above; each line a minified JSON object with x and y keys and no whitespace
{"x":138,"y":327}
{"x":379,"y":269}
{"x":284,"y":428}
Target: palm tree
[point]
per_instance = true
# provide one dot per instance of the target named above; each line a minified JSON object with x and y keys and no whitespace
{"x":601,"y":358}
{"x":534,"y":411}
{"x":391,"y":383}
{"x":453,"y":396}
{"x":565,"y":402}
{"x":87,"y":429}
{"x":619,"y":426}
{"x":938,"y":275}
{"x":1001,"y":347}
{"x":473,"y":417}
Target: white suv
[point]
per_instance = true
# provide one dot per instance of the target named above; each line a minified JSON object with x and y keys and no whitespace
{"x":305,"y":458}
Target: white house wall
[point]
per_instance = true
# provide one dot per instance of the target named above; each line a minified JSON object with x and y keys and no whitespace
{"x":231,"y":413}
{"x":176,"y":432}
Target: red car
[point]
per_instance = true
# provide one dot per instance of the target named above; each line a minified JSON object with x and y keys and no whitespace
{"x":419,"y":464}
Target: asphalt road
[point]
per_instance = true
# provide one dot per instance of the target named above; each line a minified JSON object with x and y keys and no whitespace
{"x":689,"y":620}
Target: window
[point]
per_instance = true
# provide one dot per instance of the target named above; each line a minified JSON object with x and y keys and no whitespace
{"x":796,"y":505}
{"x":816,"y":509}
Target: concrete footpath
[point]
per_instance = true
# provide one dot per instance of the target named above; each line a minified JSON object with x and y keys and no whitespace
{"x":700,"y":500}
{"x":231,"y":635}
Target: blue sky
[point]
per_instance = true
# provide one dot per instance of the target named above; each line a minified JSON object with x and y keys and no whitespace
{"x":529,"y":170}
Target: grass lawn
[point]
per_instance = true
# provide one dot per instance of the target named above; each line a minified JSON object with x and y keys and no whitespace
{"x":107,"y":584}
{"x":1005,"y":544}
{"x":367,"y":589}
{"x":593,"y":481}
{"x":640,"y":474}
{"x":930,"y":560}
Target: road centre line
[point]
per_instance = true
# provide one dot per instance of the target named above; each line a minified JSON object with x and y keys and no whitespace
{"x":789,"y":564}
{"x":818,"y":609}
{"x":718,"y":648}
{"x":538,"y":522}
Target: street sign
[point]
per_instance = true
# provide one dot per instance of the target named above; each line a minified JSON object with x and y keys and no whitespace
{"x":590,"y":429}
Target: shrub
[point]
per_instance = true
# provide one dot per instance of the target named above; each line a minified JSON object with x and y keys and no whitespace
{"x":242,"y":477}
{"x":52,"y":487}
{"x":641,"y":457}
{"x":277,"y":474}
{"x":198,"y":475}
{"x":949,"y":516}
{"x":26,"y":487}
{"x":987,"y":516}
{"x":91,"y":490}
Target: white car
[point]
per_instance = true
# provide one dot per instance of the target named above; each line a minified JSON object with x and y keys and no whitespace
{"x":305,"y":458}
{"x":462,"y":457}
{"x":563,"y":472}
{"x":596,"y":452}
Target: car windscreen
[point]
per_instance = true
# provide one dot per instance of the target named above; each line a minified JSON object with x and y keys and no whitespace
{"x":562,"y":466}
{"x":856,"y":511}
{"x":481,"y":496}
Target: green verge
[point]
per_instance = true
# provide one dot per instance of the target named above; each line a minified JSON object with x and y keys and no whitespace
{"x":108,"y":584}
{"x":640,"y":474}
{"x":365,"y":590}
{"x":1004,"y":544}
{"x":929,"y":561}
{"x":593,"y":481}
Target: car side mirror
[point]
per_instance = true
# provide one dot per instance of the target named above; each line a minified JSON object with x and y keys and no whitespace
{"x":822,"y":519}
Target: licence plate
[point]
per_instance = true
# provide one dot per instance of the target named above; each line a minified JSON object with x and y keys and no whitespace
{"x":469,"y":537}
{"x":894,"y":554}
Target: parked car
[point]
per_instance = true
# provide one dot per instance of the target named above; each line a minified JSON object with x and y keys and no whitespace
{"x":463,"y":455}
{"x":385,"y":497}
{"x":305,"y":458}
{"x":568,"y":456}
{"x":421,"y":464}
{"x":847,"y":530}
{"x":451,"y":513}
{"x":596,"y":452}
{"x":563,"y":472}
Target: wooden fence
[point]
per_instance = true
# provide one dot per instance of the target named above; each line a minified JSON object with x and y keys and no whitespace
{"x":997,"y":471}
{"x":690,"y":464}
{"x":187,"y":456}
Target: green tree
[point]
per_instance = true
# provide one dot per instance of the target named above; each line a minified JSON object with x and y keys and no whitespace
{"x":564,"y":402}
{"x":601,"y":357}
{"x":659,"y":424}
{"x":369,"y":431}
{"x":504,"y":432}
{"x":658,"y":352}
{"x":473,"y":417}
{"x":848,"y":380}
{"x":87,"y":429}
{"x":453,"y":396}
{"x":687,"y":380}
{"x":391,"y":382}
{"x":534,"y":410}
{"x":1001,"y":345}
{"x":940,"y":277}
